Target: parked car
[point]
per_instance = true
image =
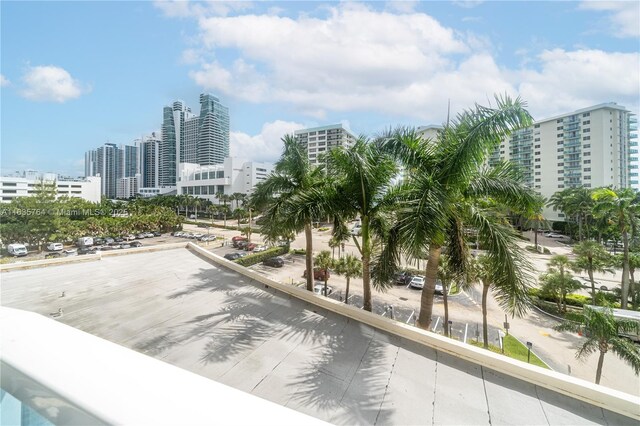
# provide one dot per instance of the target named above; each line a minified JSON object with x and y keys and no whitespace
{"x":87,"y":250}
{"x":553,"y":235}
{"x":157,"y":234}
{"x":17,"y":249}
{"x":417,"y":282}
{"x":98,"y":241}
{"x":241,"y":244}
{"x":235,"y":240}
{"x":55,"y":247}
{"x":438,"y":288}
{"x":259,"y":249}
{"x":125,"y":246}
{"x":232,"y":256}
{"x":198,"y":236}
{"x":84,"y":241}
{"x":319,"y":289}
{"x":176,"y":233}
{"x":71,"y":252}
{"x":149,"y":235}
{"x":130,"y":237}
{"x":118,"y":239}
{"x":109,"y":240}
{"x":140,"y":236}
{"x":250,"y":246}
{"x":318,"y":274}
{"x":356,"y":230}
{"x":275,"y":262}
{"x":402,"y":278}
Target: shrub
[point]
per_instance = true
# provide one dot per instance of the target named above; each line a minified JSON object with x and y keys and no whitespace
{"x":252,"y":259}
{"x":324,"y":228}
{"x":547,"y":251}
{"x":299,"y":251}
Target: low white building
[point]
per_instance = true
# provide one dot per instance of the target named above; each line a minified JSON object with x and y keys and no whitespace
{"x":25,"y":184}
{"x":234,"y":175}
{"x":149,"y":192}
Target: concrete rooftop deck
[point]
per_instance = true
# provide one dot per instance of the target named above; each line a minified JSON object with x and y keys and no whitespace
{"x":178,"y":307}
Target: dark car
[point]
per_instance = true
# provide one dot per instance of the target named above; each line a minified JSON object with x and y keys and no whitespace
{"x":157,"y":233}
{"x":135,"y":244}
{"x":242,"y":244}
{"x":232,"y":256}
{"x":237,"y":240}
{"x":402,"y":278}
{"x":98,"y":241}
{"x":86,"y":250}
{"x":118,"y":239}
{"x":275,"y":262}
{"x":318,"y":274}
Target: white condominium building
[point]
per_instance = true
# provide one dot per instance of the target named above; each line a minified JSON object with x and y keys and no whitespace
{"x":590,"y":147}
{"x":319,"y":140}
{"x":25,"y":184}
{"x":128,"y":187}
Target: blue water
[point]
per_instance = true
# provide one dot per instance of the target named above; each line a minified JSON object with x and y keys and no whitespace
{"x":14,"y":413}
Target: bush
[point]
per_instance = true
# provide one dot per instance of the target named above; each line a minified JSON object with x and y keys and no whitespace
{"x":546,"y":251}
{"x":559,"y":226}
{"x":324,"y":228}
{"x":299,"y":251}
{"x":252,"y":259}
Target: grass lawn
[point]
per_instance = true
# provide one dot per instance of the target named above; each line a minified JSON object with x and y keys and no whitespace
{"x":514,"y":349}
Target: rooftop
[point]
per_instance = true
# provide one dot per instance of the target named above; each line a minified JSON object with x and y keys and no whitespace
{"x":182,"y":308}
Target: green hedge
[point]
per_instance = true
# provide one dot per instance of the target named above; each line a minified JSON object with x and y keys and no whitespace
{"x":578,"y":300}
{"x":299,"y":251}
{"x":254,"y":229}
{"x":252,"y":259}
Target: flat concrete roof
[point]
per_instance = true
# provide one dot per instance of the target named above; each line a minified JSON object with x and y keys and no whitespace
{"x":178,"y":307}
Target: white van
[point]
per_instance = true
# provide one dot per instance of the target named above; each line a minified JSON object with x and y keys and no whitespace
{"x":84,"y":241}
{"x":55,"y":247}
{"x":17,"y":249}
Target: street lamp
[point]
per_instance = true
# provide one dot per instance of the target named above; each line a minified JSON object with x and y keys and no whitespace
{"x":450,"y":327}
{"x":529,"y":345}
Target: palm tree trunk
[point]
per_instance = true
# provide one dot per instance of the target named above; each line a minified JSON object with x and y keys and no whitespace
{"x":593,"y":285}
{"x":632,"y":288}
{"x":599,"y":370}
{"x":325,"y":282}
{"x":346,"y":293}
{"x":426,"y":299}
{"x":535,"y":236}
{"x":625,"y":271}
{"x":309,"y":255}
{"x":446,"y":308}
{"x":485,"y":327}
{"x":366,"y":273}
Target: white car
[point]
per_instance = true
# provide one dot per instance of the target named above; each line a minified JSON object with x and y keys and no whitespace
{"x":259,"y":249}
{"x":55,"y":247}
{"x":438,"y":288}
{"x":417,"y":282}
{"x":553,"y":235}
{"x":356,"y":230}
{"x":319,"y":289}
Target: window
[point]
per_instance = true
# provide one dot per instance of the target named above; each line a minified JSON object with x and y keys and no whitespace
{"x":537,"y":180}
{"x":537,"y":173}
{"x":220,"y":174}
{"x":587,"y":130}
{"x":587,"y":169}
{"x":204,"y":190}
{"x":587,"y":161}
{"x":560,"y":149}
{"x":559,"y":135}
{"x":537,"y":126}
{"x":560,"y":143}
{"x":538,"y":187}
{"x":587,"y":185}
{"x":537,"y":146}
{"x":502,"y":152}
{"x":586,"y":114}
{"x":559,"y":128}
{"x":9,"y":184}
{"x":587,"y":178}
{"x":560,"y":186}
{"x":586,"y":145}
{"x":536,"y":140}
{"x":537,"y":166}
{"x":220,"y":189}
{"x":197,"y":176}
{"x":560,"y":157}
{"x":586,"y":154}
{"x":536,"y":160}
{"x":536,"y":153}
{"x":561,"y":179}
{"x":212,"y":189}
{"x":559,"y":121}
{"x":10,"y":191}
{"x":560,"y":214}
{"x":586,"y":122}
{"x":560,"y":164}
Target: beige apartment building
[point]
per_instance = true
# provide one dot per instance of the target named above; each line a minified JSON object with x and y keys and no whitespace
{"x":319,"y":140}
{"x":590,"y":147}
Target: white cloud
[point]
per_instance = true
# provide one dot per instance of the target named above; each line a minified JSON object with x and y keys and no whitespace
{"x":266,"y":146}
{"x":354,"y":59}
{"x":4,"y":81}
{"x":467,"y":4}
{"x":51,"y":83}
{"x":185,"y":8}
{"x":568,"y":80}
{"x":402,"y":6}
{"x":624,"y":17}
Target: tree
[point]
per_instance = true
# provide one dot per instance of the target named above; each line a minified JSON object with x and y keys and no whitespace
{"x":324,"y":262}
{"x":448,"y":275}
{"x":591,"y":257}
{"x":535,"y":216}
{"x":291,"y":197}
{"x":601,"y":330}
{"x":623,"y":206}
{"x":351,"y":267}
{"x":364,"y":173}
{"x":558,"y":285}
{"x":575,"y":203}
{"x":448,"y":188}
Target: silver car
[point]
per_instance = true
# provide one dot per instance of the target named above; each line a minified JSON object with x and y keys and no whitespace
{"x":417,"y":282}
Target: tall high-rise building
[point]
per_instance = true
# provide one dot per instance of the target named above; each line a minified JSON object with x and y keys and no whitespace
{"x":590,"y":147}
{"x":197,"y":139}
{"x":90,"y":163}
{"x":130,"y":160}
{"x":213,"y":131}
{"x":319,"y":140}
{"x":173,"y":145}
{"x":109,"y":167}
{"x":150,"y":160}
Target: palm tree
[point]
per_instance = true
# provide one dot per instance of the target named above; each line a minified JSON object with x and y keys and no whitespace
{"x":575,"y":203}
{"x":623,"y":205}
{"x":448,"y":189}
{"x":602,"y":330}
{"x":535,"y":216}
{"x":364,"y":176}
{"x":324,"y":261}
{"x":591,"y":257}
{"x":289,"y":198}
{"x":447,"y":275}
{"x":333,"y":244}
{"x":634,"y":263}
{"x":351,"y":267}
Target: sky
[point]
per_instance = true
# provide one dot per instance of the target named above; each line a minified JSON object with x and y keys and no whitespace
{"x":74,"y":75}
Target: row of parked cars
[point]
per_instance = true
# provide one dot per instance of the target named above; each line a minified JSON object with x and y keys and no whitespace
{"x":414,"y":281}
{"x":194,"y":236}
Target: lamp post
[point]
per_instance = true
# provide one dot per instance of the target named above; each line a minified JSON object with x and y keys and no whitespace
{"x":450,"y":327}
{"x":529,"y":345}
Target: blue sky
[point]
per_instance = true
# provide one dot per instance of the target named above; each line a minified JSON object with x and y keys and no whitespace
{"x":78,"y":74}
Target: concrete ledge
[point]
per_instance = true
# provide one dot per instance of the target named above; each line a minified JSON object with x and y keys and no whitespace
{"x":87,"y":258}
{"x":600,"y":396}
